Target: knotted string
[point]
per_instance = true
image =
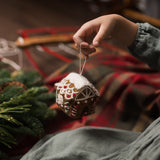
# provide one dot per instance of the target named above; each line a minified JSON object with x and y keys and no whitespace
{"x":81,"y":67}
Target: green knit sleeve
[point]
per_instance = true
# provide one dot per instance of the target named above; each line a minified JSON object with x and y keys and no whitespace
{"x":146,"y":47}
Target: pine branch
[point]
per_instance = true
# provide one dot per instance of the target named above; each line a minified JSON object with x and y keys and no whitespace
{"x":26,"y":97}
{"x":30,"y":79}
{"x":17,"y":109}
{"x":42,"y":111}
{"x":4,"y":73}
{"x":10,"y":119}
{"x":23,"y":106}
{"x":4,"y":80}
{"x":34,"y":124}
{"x":10,"y":92}
{"x":5,"y":137}
{"x":22,"y":130}
{"x":46,"y":97}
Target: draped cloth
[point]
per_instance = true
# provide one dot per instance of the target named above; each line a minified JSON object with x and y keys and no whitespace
{"x":95,"y":143}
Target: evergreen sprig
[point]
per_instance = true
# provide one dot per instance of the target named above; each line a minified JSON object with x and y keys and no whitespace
{"x":23,"y":106}
{"x":5,"y":137}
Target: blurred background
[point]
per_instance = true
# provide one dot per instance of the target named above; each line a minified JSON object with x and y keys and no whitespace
{"x":18,"y":15}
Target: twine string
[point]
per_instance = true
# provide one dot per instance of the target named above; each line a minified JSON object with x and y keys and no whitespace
{"x":81,"y":67}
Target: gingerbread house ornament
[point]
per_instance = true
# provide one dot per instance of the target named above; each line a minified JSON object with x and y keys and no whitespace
{"x":76,"y":96}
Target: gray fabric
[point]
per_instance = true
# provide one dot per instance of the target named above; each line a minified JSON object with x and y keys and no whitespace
{"x":86,"y":143}
{"x":147,"y":45}
{"x":145,"y":147}
{"x":89,"y":143}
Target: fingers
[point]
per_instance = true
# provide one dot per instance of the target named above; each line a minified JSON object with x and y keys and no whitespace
{"x":99,"y":36}
{"x":80,"y":35}
{"x":86,"y":49}
{"x":83,"y":46}
{"x":77,"y":40}
{"x":104,"y":33}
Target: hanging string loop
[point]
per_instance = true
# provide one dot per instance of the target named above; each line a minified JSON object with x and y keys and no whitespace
{"x":81,"y":67}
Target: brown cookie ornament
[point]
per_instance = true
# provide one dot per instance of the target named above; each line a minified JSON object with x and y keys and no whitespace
{"x":76,"y":96}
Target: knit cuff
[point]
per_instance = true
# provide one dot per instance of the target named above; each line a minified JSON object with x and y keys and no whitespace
{"x":146,"y":44}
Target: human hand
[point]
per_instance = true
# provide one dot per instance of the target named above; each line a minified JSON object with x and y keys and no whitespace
{"x":112,"y":26}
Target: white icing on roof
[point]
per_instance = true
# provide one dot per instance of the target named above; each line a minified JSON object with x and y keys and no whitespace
{"x":78,"y":80}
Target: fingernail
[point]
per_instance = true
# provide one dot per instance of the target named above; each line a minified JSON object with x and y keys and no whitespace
{"x":96,"y":43}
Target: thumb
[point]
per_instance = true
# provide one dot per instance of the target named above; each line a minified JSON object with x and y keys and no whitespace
{"x":99,"y":36}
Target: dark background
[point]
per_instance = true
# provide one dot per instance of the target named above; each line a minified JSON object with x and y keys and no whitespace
{"x":26,"y":14}
{"x":21,"y":14}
